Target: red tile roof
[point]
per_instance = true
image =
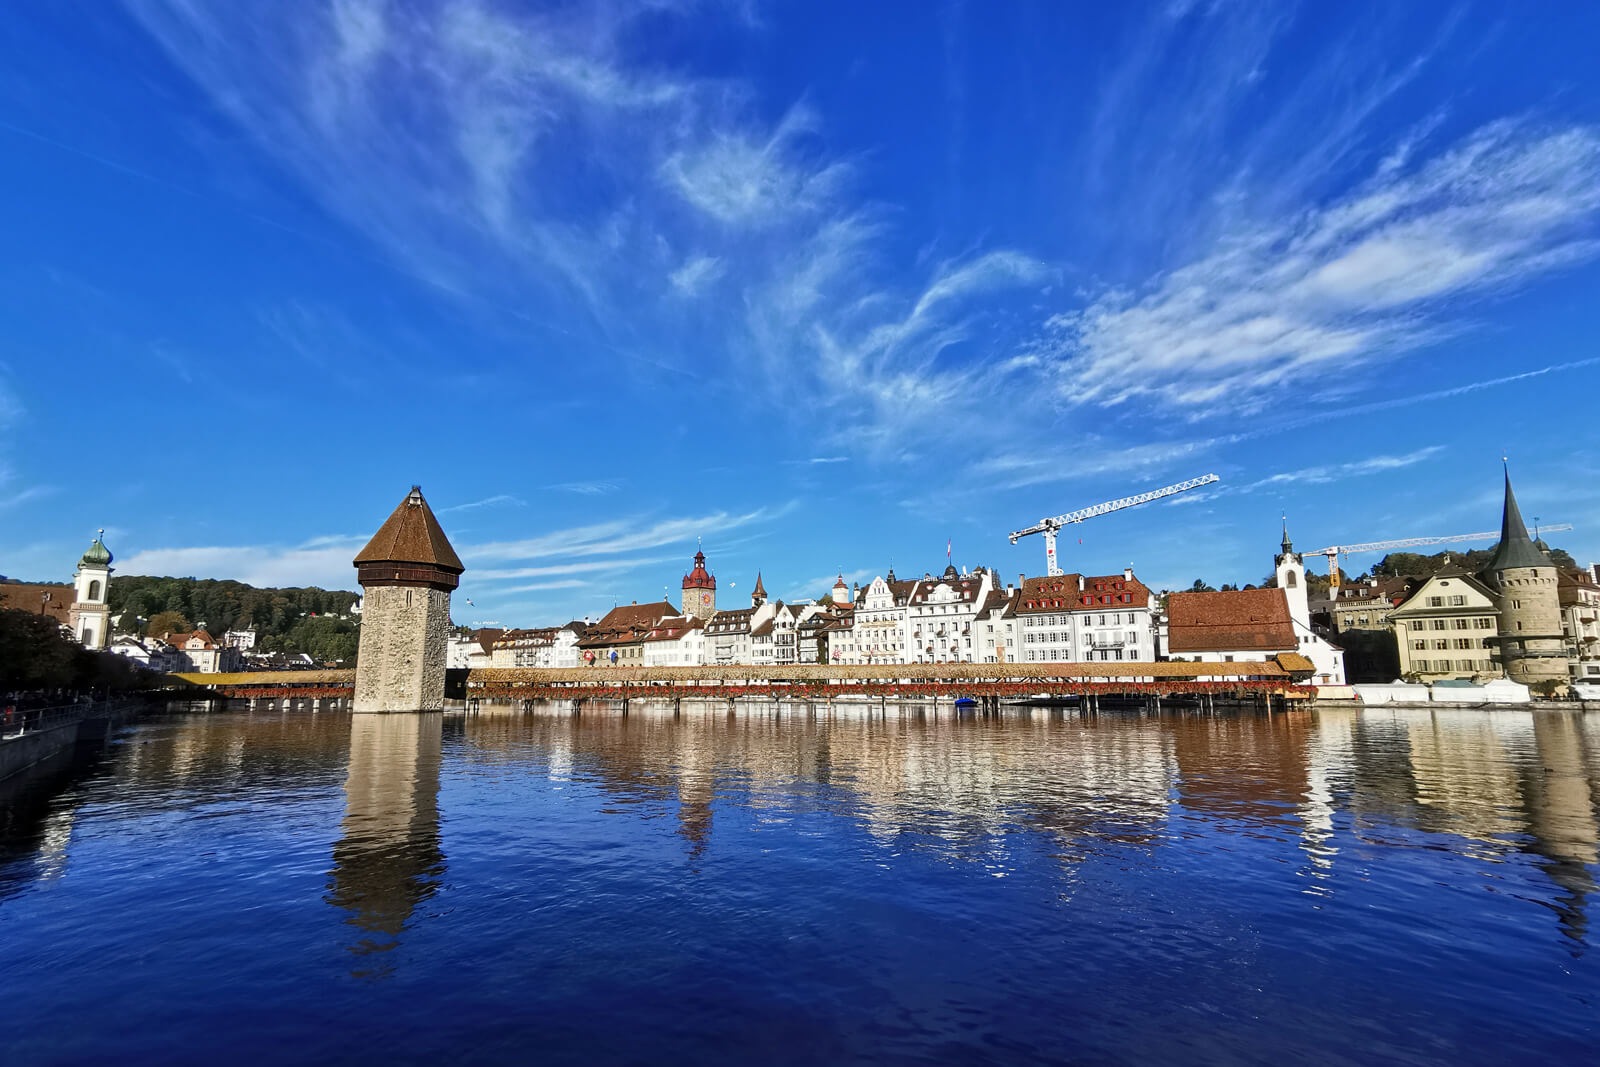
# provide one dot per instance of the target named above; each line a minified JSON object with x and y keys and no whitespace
{"x":1246,"y":620}
{"x":1068,"y":592}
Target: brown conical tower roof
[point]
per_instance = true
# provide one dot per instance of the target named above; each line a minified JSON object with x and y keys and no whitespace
{"x":759,"y":590}
{"x":411,"y":535}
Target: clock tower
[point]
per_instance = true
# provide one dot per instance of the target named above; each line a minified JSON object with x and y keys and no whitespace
{"x":699,"y":590}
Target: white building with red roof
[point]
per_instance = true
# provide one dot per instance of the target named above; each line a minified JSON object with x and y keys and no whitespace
{"x":1078,"y":618}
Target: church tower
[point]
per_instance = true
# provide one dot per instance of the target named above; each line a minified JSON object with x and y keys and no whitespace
{"x":90,"y":617}
{"x":758,"y":595}
{"x":406,"y":572}
{"x":1291,"y":572}
{"x":699,"y":590}
{"x":1524,"y":576}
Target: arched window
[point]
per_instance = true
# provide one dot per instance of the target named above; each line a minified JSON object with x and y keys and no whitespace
{"x":1293,"y":580}
{"x":94,"y":589}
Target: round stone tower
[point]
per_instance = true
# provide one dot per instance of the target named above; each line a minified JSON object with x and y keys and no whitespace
{"x":1531,"y":646}
{"x":406,"y":572}
{"x":699,"y":590}
{"x":90,"y":616}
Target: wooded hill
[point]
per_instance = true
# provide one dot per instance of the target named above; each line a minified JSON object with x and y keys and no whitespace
{"x":285,"y":620}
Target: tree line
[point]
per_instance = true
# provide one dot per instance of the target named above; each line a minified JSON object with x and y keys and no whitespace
{"x":293,"y":620}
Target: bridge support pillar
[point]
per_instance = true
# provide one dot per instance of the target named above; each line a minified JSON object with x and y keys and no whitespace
{"x":316,"y":705}
{"x":577,"y":706}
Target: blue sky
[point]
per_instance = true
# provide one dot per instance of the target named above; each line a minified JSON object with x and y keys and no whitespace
{"x":825,"y":285}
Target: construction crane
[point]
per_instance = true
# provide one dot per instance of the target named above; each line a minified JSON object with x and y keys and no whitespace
{"x":1333,"y":552}
{"x":1048,"y":527}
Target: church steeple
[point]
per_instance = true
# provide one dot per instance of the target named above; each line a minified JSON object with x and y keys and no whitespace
{"x":758,"y":595}
{"x":1288,"y":545}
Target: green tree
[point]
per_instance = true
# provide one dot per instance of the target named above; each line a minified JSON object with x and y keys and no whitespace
{"x":1200,"y":586}
{"x":168,"y":622}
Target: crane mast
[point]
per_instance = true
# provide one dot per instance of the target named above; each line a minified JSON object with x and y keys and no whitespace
{"x":1333,"y":552}
{"x":1049,"y":527}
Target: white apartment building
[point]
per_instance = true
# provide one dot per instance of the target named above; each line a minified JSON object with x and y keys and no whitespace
{"x":772,"y":640}
{"x":996,"y":626}
{"x":1580,"y":623}
{"x":1076,"y":618}
{"x":939,"y":613}
{"x":549,"y":646}
{"x":676,"y":641}
{"x":880,"y":613}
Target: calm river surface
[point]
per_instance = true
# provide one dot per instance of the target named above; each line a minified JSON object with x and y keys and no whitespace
{"x":1333,"y":887}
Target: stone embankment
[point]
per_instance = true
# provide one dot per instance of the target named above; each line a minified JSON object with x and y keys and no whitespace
{"x":33,"y":736}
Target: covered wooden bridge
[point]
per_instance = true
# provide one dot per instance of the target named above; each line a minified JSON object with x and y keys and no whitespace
{"x":1281,"y":679}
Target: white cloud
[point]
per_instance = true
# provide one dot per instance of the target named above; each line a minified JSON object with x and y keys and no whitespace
{"x":621,"y":535}
{"x":589,"y":567}
{"x":1361,"y":278}
{"x":696,"y":273}
{"x":314,"y":563}
{"x":585,"y":488}
{"x":537,"y":587}
{"x":1337,"y":472}
{"x":488,"y":501}
{"x":740,"y":178}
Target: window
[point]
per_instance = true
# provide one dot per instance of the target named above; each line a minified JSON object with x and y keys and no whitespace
{"x":1439,"y":624}
{"x":1458,"y":601}
{"x":1291,"y":580}
{"x":1441,"y":644}
{"x":1483,"y":624}
{"x":1420,"y":646}
{"x":1461,"y":624}
{"x":94,"y":594}
{"x":1436,"y":602}
{"x":1418,"y":624}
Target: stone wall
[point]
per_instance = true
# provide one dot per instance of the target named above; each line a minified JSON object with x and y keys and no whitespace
{"x":1532,"y":647}
{"x":403,"y":649}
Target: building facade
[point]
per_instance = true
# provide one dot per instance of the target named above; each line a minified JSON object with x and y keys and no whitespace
{"x":1075,"y":618}
{"x":1448,"y":629}
{"x":1580,"y":624}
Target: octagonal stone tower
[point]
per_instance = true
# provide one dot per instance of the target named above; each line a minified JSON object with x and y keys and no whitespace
{"x":406,"y":572}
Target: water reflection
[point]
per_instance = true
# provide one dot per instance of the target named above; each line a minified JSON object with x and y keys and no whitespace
{"x":1499,"y":784}
{"x":902,"y":884}
{"x":388,"y":859}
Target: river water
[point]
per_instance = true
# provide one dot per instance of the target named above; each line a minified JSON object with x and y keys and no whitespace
{"x":782,"y":887}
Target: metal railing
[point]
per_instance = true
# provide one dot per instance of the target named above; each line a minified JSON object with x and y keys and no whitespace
{"x":17,"y":721}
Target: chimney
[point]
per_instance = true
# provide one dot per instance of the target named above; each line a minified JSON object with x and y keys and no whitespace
{"x":1021,"y":578}
{"x":1127,"y":573}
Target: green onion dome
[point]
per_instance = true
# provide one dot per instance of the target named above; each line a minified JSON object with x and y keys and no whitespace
{"x":98,"y":554}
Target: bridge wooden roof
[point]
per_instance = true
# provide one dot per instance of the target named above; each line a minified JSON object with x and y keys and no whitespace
{"x":411,"y":535}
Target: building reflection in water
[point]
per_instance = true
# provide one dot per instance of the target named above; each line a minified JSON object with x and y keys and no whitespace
{"x":388,"y":860}
{"x":1498,"y":783}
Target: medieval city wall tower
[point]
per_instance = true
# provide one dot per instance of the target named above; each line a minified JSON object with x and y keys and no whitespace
{"x":1524,"y":576}
{"x":406,"y":572}
{"x":700,"y":590}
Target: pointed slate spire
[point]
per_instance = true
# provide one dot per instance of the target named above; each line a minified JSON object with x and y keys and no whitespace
{"x":1516,"y":548}
{"x":1288,"y":546}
